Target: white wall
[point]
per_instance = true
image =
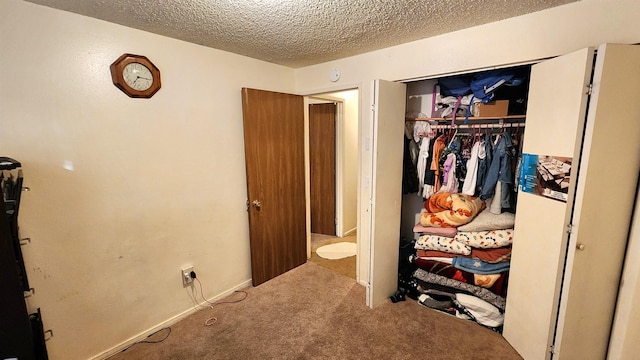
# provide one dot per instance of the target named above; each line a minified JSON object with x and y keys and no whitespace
{"x":350,"y":164}
{"x":526,"y":38}
{"x":123,"y":191}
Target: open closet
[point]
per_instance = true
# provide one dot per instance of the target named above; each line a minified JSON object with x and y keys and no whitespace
{"x":461,"y":158}
{"x":568,"y":242}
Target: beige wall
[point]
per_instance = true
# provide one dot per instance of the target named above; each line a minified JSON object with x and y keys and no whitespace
{"x":126,"y":191}
{"x":350,"y":164}
{"x":349,"y":161}
{"x":123,"y":191}
{"x":526,"y":38}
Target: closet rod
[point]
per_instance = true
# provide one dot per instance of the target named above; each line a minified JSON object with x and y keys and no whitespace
{"x":478,"y":126}
{"x":472,"y":118}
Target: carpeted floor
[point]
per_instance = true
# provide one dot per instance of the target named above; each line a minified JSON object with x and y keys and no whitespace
{"x":346,"y":266}
{"x":314,"y":313}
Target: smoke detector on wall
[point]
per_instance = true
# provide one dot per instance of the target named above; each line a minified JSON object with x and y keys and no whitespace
{"x":334,"y":74}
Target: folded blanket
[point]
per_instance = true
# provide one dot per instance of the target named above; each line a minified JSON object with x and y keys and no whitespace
{"x":441,"y":243}
{"x":450,"y":210}
{"x":486,"y":220}
{"x":476,"y":266}
{"x":486,"y":239}
{"x":484,"y":294}
{"x":496,"y":283}
{"x":482,"y":311}
{"x":493,"y":256}
{"x":485,"y":280}
{"x":438,"y":202}
{"x":434,"y":253}
{"x":496,"y":255}
{"x":446,"y":232}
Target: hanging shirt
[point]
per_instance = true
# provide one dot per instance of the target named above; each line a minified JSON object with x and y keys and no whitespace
{"x":438,"y":147}
{"x":429,"y":175}
{"x":421,"y":130}
{"x":423,"y":156}
{"x":484,"y":161}
{"x":409,"y":175}
{"x":469,"y":185}
{"x":449,"y":181}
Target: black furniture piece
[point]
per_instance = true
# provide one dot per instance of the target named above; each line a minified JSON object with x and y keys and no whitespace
{"x":21,"y":333}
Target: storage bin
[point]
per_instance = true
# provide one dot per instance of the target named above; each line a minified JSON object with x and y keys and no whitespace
{"x":493,"y":109}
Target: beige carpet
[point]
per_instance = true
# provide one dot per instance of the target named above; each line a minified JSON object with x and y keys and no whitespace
{"x":346,"y":266}
{"x":313,"y":313}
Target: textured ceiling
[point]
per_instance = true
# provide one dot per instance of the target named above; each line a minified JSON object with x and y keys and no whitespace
{"x":298,"y":33}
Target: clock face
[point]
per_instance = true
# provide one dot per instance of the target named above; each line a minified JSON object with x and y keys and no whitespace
{"x":137,"y":76}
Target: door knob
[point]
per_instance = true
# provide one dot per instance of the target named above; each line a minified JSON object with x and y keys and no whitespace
{"x":580,"y":247}
{"x":256,"y":204}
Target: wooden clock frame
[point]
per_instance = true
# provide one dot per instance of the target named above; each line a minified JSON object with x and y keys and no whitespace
{"x":118,"y":80}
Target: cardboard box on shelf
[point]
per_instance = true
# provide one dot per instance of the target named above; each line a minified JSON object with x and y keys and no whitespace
{"x":493,"y":109}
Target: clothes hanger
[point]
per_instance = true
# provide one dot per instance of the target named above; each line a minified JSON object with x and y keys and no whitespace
{"x":477,"y":135}
{"x":516,"y":137}
{"x":454,"y":134}
{"x":467,"y":139}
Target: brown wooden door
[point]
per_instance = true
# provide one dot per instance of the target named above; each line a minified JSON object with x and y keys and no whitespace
{"x":274,"y":157}
{"x":322,"y":162}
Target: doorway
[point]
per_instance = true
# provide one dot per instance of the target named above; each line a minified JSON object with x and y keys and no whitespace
{"x":322,"y":167}
{"x":345,"y":185}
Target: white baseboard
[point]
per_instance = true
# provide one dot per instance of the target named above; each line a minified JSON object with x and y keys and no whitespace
{"x":350,"y":232}
{"x":143,"y":335}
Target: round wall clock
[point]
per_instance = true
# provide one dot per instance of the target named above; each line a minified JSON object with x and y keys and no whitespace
{"x":135,"y":75}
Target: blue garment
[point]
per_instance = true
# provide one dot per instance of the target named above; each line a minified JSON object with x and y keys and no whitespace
{"x":500,"y":168}
{"x":477,"y":266}
{"x":483,"y":166}
{"x":506,"y":195}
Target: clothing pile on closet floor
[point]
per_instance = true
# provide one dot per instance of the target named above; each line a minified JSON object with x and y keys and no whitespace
{"x":464,"y":269}
{"x":462,"y":254}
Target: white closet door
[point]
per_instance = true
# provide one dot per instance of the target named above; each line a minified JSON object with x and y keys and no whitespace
{"x":581,"y":292}
{"x":389,"y":100}
{"x":626,"y":325}
{"x":556,"y":110}
{"x":604,"y":204}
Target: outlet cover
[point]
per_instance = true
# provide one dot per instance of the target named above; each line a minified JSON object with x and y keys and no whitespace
{"x":185,"y":273}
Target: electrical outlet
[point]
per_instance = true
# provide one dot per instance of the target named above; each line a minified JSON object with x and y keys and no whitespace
{"x":185,"y":273}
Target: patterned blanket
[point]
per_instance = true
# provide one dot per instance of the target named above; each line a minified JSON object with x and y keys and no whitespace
{"x":484,"y":294}
{"x":450,"y":210}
